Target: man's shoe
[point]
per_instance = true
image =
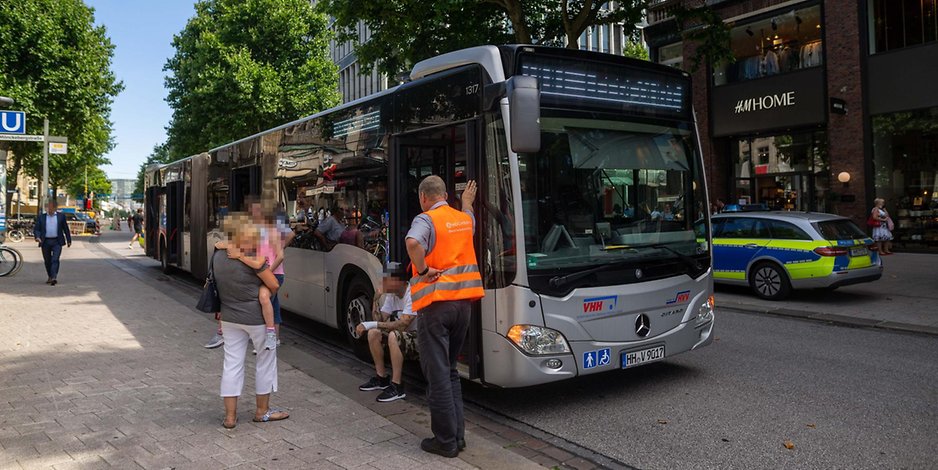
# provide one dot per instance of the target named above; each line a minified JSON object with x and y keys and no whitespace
{"x":433,"y":446}
{"x":461,"y":444}
{"x":215,"y":342}
{"x":393,"y":392}
{"x":270,"y":341}
{"x":49,"y":281}
{"x":53,"y":282}
{"x":375,"y":383}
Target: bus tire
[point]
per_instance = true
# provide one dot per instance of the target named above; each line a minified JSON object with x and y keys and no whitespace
{"x":356,"y":308}
{"x":769,"y":281}
{"x":164,"y":259}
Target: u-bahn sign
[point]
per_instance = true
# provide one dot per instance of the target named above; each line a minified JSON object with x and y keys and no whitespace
{"x":12,"y":122}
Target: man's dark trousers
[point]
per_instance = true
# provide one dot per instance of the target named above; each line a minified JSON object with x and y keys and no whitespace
{"x":440,"y":336}
{"x":51,"y":250}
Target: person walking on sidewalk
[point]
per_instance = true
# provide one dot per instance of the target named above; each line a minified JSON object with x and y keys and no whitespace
{"x":446,"y":281}
{"x":394,"y":331}
{"x":51,"y":233}
{"x":242,"y":320}
{"x":137,"y":220}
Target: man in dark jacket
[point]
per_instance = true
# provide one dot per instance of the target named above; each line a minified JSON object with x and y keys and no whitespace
{"x":52,"y":233}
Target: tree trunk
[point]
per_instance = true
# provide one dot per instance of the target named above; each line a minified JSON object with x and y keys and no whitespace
{"x":516,"y":16}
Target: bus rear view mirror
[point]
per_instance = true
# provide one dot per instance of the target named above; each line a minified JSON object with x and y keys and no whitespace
{"x":524,"y":101}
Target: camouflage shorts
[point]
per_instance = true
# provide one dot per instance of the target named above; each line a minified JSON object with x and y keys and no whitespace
{"x":408,"y":342}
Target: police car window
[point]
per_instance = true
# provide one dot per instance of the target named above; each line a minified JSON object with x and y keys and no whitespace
{"x":760,"y":229}
{"x":787,"y":231}
{"x":737,"y":227}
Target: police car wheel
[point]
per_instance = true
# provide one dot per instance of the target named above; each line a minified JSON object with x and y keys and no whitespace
{"x":769,"y":281}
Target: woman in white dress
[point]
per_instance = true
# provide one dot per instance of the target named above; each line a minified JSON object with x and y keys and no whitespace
{"x":881,"y":233}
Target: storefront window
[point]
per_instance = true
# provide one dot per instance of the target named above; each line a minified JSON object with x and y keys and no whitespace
{"x":785,"y":42}
{"x":895,"y":24}
{"x":788,"y":172}
{"x":905,"y":156}
{"x":672,"y":54}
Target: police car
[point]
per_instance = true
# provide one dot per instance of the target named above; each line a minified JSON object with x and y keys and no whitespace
{"x":775,"y":252}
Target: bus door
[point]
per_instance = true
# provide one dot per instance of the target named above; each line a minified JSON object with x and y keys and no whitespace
{"x":174,"y":219}
{"x":449,"y":152}
{"x":152,"y":220}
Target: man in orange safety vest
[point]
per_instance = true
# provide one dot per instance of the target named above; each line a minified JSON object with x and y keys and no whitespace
{"x":445,"y":281}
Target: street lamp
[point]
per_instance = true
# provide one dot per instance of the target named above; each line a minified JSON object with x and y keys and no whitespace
{"x":6,"y":101}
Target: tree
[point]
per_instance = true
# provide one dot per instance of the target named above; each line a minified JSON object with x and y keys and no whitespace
{"x":160,"y":154}
{"x":703,"y":26}
{"x":56,"y":63}
{"x":242,"y":67}
{"x":98,"y":183}
{"x":407,"y":31}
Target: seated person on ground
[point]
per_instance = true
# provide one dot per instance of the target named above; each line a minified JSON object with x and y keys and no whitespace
{"x":397,"y":335}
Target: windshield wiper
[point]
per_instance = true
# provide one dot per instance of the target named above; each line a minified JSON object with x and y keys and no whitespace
{"x":690,"y":261}
{"x":558,"y":281}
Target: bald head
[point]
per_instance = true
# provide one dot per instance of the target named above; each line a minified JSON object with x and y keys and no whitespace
{"x":431,"y":190}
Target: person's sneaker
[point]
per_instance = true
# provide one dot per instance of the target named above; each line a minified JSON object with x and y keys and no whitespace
{"x":375,"y":383}
{"x":270,"y":341}
{"x":393,"y":392}
{"x":433,"y":446}
{"x":215,"y":342}
{"x":461,"y":444}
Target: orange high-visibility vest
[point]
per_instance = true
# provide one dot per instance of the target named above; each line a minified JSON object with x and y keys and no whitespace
{"x":454,"y":254}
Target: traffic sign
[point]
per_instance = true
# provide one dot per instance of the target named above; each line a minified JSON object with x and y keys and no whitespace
{"x":21,"y":137}
{"x":13,"y":122}
{"x":58,"y":148}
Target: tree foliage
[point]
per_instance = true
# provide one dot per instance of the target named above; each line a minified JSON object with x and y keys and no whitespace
{"x":244,"y":66}
{"x":407,"y":31}
{"x":160,"y":154}
{"x":703,"y":26}
{"x":56,"y":63}
{"x":98,"y":183}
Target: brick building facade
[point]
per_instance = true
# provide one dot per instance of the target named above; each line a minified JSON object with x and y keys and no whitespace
{"x":821,"y":91}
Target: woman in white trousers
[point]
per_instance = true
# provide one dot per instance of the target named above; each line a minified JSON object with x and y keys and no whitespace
{"x":238,"y":286}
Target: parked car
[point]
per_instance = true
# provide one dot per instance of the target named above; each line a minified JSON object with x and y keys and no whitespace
{"x":90,"y":225}
{"x":775,"y":252}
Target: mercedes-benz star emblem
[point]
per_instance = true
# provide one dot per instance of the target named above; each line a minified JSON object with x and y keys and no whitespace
{"x":642,"y":325}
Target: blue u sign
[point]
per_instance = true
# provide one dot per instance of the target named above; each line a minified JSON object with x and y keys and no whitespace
{"x":12,"y":122}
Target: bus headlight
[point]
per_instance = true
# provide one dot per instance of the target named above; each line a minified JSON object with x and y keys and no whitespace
{"x":538,"y":340}
{"x":705,"y":313}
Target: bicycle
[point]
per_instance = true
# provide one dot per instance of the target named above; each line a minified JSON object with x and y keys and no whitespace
{"x":10,"y":261}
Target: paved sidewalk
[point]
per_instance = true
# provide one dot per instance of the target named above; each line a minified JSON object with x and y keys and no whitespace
{"x":905,"y":298}
{"x":104,"y":371}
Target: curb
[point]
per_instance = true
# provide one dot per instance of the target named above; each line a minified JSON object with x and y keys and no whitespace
{"x":831,"y":318}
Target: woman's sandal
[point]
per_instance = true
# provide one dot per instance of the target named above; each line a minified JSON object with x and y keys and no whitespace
{"x":272,"y":414}
{"x":232,"y":425}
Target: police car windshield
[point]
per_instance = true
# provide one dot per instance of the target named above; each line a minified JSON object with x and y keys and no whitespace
{"x":599,"y":187}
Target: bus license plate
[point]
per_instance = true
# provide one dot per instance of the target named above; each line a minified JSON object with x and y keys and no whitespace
{"x":859,"y":251}
{"x":635,"y":358}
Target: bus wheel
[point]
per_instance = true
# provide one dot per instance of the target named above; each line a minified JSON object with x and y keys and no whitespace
{"x":357,"y":308}
{"x":164,"y":259}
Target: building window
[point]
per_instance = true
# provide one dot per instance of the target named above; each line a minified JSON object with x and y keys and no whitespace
{"x":672,"y":54}
{"x":790,"y":171}
{"x":788,"y":41}
{"x":905,"y":159}
{"x":895,"y":24}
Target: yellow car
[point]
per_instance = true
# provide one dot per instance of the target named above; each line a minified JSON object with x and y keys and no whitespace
{"x":775,"y":252}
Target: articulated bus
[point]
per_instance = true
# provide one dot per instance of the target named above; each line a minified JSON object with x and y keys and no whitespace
{"x":593,"y":232}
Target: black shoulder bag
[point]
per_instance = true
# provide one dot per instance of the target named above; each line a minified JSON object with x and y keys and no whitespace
{"x":209,"y":302}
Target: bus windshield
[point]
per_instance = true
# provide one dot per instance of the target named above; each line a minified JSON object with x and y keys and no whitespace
{"x":611,"y":192}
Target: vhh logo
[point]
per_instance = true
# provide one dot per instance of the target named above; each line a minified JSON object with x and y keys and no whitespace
{"x":679,"y":298}
{"x":599,"y":304}
{"x":12,"y":122}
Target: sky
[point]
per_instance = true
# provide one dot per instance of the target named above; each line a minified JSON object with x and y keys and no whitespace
{"x":142,"y":32}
